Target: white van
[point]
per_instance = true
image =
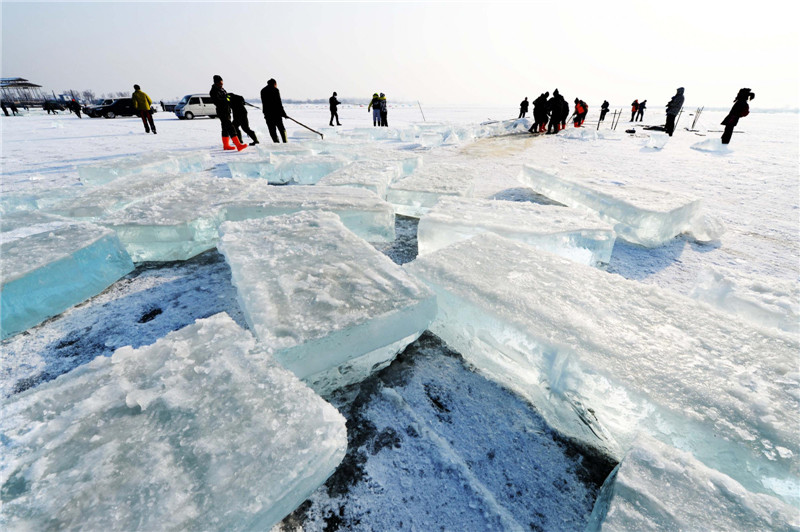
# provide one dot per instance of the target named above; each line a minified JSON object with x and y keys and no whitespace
{"x":193,"y":105}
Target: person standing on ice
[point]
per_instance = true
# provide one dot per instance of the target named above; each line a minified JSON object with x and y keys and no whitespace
{"x":142,"y":103}
{"x":523,"y":108}
{"x":223,"y":109}
{"x":383,"y":106}
{"x":673,"y":108}
{"x":334,"y":103}
{"x":634,"y":109}
{"x":539,"y":113}
{"x":564,"y":112}
{"x":603,"y":110}
{"x":273,"y":110}
{"x":375,"y":105}
{"x":240,"y":119}
{"x":739,"y":110}
{"x":640,"y":112}
{"x":555,"y":108}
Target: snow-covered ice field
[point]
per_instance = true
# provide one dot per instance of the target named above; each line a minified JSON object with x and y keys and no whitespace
{"x":432,"y":442}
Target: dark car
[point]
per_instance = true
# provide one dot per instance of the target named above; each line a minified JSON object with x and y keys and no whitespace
{"x":119,"y":107}
{"x":90,"y":109}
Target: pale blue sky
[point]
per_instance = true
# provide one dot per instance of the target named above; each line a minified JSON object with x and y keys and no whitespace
{"x":438,"y":53}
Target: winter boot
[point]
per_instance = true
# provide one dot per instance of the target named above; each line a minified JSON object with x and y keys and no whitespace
{"x":238,"y":143}
{"x":226,"y":144}
{"x":255,"y":139}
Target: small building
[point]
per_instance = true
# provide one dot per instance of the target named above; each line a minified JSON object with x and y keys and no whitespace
{"x":21,"y":91}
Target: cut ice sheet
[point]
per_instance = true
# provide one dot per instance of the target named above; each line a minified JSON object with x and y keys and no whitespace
{"x":328,"y":305}
{"x":657,"y":487}
{"x":289,"y":168}
{"x":415,"y":194}
{"x":50,"y":264}
{"x":603,"y":358}
{"x":151,"y":163}
{"x":371,"y":175}
{"x":577,"y":235}
{"x":645,"y":216}
{"x":200,"y":431}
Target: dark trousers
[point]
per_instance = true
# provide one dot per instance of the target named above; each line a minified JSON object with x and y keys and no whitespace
{"x":552,"y":127}
{"x":244,"y":123}
{"x":670,"y":127}
{"x":385,"y":118}
{"x":335,"y":114}
{"x":727,"y":134}
{"x":226,"y":125}
{"x":147,"y":118}
{"x":603,"y":114}
{"x":640,"y":115}
{"x":274,"y":125}
{"x":522,"y":113}
{"x":633,"y":116}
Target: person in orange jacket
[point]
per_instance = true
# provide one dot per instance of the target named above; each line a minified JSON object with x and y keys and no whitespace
{"x":634,"y":108}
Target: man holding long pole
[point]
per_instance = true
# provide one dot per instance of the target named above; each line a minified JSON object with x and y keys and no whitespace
{"x":273,"y":110}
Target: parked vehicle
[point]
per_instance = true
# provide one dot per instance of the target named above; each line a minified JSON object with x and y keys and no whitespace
{"x":118,"y":107}
{"x":193,"y":105}
{"x":90,"y":109}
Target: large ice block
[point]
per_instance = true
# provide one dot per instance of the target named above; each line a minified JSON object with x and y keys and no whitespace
{"x":415,"y":194}
{"x":178,"y":223}
{"x":371,"y":175}
{"x":657,"y":487}
{"x":360,"y":210}
{"x":329,"y":306}
{"x":200,"y":431}
{"x":289,"y":168}
{"x":577,"y":235}
{"x":642,"y":215}
{"x":603,"y":358}
{"x":150,"y":163}
{"x":359,"y":151}
{"x":49,"y":264}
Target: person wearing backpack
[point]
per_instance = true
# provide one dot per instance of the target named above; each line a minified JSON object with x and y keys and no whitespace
{"x":739,"y":110}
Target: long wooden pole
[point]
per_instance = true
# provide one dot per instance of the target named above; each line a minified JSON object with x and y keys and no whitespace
{"x":305,"y":126}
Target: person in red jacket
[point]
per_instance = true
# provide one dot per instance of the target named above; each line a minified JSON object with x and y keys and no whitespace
{"x":739,"y":110}
{"x":634,"y":108}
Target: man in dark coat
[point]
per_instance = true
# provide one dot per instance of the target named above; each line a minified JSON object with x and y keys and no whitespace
{"x":334,"y":110}
{"x":223,"y":109}
{"x":240,"y":120}
{"x":640,"y":112}
{"x":555,"y":108}
{"x":539,"y":113}
{"x":603,"y":110}
{"x":273,"y":110}
{"x":523,"y":108}
{"x":739,"y":110}
{"x":673,"y":108}
{"x":564,"y":112}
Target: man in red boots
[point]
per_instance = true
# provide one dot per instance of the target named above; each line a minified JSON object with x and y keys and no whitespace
{"x":221,"y":101}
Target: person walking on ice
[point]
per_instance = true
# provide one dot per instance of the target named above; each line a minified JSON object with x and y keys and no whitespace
{"x":240,"y":120}
{"x":273,"y":110}
{"x":523,"y":108}
{"x":604,"y":110}
{"x":223,"y":109}
{"x":334,"y":103}
{"x":739,"y":110}
{"x":673,"y":108}
{"x":142,"y":104}
{"x":375,"y":106}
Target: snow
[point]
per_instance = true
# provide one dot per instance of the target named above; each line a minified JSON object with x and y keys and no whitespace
{"x":455,"y":473}
{"x":197,"y":429}
{"x":614,"y":357}
{"x":329,"y":306}
{"x":657,"y":487}
{"x":51,"y":263}
{"x":580,"y":236}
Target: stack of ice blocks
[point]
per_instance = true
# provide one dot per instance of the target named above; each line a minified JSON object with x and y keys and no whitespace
{"x":577,"y":235}
{"x":149,"y":163}
{"x":603,"y":358}
{"x":641,"y":215}
{"x":51,"y":263}
{"x":329,"y":306}
{"x":201,"y":430}
{"x":415,"y":194}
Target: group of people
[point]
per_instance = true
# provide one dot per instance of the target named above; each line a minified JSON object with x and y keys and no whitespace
{"x":380,"y":111}
{"x":637,"y":110}
{"x":550,"y":113}
{"x":10,"y":105}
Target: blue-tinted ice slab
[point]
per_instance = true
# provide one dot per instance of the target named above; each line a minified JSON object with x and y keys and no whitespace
{"x":50,"y":263}
{"x":657,"y":487}
{"x":603,"y":358}
{"x":576,"y":235}
{"x":149,"y":163}
{"x":329,"y":306}
{"x":371,"y":175}
{"x":200,"y":431}
{"x":286,"y":168}
{"x":645,"y":216}
{"x":416,"y":194}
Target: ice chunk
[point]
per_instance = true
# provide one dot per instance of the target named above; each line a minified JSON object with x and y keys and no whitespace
{"x":644,"y":216}
{"x":265,"y":169}
{"x":371,"y":175}
{"x":579,"y":133}
{"x":580,"y":236}
{"x":151,"y":163}
{"x":360,"y":210}
{"x":289,"y":168}
{"x":657,"y":487}
{"x":763,"y":300}
{"x":371,"y":133}
{"x":50,"y":263}
{"x":415,"y":194}
{"x":199,"y":431}
{"x":712,"y":146}
{"x":265,"y":149}
{"x":178,"y":223}
{"x":602,"y":358}
{"x":656,"y":140}
{"x":328,"y":305}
